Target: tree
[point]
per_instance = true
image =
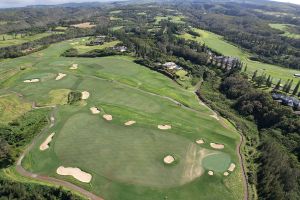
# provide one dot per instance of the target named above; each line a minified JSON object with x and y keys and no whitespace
{"x":254,"y":75}
{"x":5,"y":154}
{"x":277,"y":87}
{"x":284,"y":88}
{"x":289,"y":86}
{"x":296,"y":88}
{"x":246,"y":67}
{"x":269,"y":81}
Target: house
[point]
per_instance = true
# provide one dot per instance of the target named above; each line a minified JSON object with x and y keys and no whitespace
{"x":297,"y":75}
{"x":120,"y":48}
{"x":287,"y":100}
{"x":101,"y":36}
{"x":171,"y":66}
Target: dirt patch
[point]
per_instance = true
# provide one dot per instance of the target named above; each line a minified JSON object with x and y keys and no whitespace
{"x":84,"y":25}
{"x":35,"y":80}
{"x":200,"y":141}
{"x":217,"y":146}
{"x":85,"y":95}
{"x":75,"y":172}
{"x":169,"y":159}
{"x":45,"y":144}
{"x":129,"y":123}
{"x":226,"y":173}
{"x":164,"y":127}
{"x":210,"y":173}
{"x":74,"y":66}
{"x":231,"y":167}
{"x":95,"y":110}
{"x":107,"y":117}
{"x":60,"y":76}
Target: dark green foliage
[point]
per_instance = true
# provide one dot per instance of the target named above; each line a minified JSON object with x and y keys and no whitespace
{"x":254,"y":75}
{"x":295,"y":91}
{"x":73,"y":97}
{"x":70,"y":53}
{"x":21,"y":191}
{"x":269,"y":81}
{"x":277,"y":87}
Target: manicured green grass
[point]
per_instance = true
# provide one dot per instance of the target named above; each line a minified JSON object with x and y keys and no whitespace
{"x":174,"y":19}
{"x":285,"y":28}
{"x":217,"y":43}
{"x":82,"y":48}
{"x":126,"y":162}
{"x":10,"y":40}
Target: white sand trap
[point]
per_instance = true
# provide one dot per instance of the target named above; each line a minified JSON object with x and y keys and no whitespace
{"x":74,"y":66}
{"x":215,"y":116}
{"x":210,"y":173}
{"x":164,"y":127}
{"x":94,"y":110}
{"x":200,"y":141}
{"x":217,"y":146}
{"x":60,"y":76}
{"x":107,"y":117}
{"x":129,"y":123}
{"x":75,"y":172}
{"x":32,"y":80}
{"x":231,"y":167}
{"x":45,"y":144}
{"x":226,"y":173}
{"x":85,"y":95}
{"x":169,"y":159}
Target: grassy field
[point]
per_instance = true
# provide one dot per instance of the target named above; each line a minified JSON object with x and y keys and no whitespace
{"x":126,"y":161}
{"x":11,"y":40}
{"x":217,"y":43}
{"x":285,"y":28}
{"x":82,"y":48}
{"x":174,"y":19}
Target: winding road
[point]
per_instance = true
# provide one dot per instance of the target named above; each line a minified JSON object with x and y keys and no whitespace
{"x":88,"y":194}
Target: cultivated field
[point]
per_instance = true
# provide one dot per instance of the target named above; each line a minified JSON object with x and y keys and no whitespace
{"x":217,"y":43}
{"x":135,"y":132}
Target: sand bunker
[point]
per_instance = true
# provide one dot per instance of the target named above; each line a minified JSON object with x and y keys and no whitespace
{"x":210,"y":173}
{"x":35,"y":80}
{"x":75,"y":172}
{"x":95,"y":110}
{"x":107,"y":117}
{"x":200,"y":141}
{"x":226,"y":173}
{"x":215,"y":116}
{"x":74,"y":66}
{"x":164,"y":127}
{"x":129,"y":123}
{"x":231,"y":167}
{"x":217,"y":146}
{"x":45,"y":144}
{"x":169,"y":159}
{"x":85,"y":95}
{"x":60,"y":76}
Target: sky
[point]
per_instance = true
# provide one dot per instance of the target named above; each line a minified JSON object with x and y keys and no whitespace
{"x":20,"y":3}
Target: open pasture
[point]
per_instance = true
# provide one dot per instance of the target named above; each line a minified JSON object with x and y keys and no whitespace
{"x":126,"y":161}
{"x":286,"y":28}
{"x":218,"y":44}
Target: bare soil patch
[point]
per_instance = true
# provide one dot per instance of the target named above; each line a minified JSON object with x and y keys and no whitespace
{"x":75,"y":172}
{"x":226,"y":173}
{"x":200,"y":141}
{"x":84,"y":25}
{"x":74,"y":66}
{"x":45,"y":144}
{"x":231,"y":167}
{"x":210,"y":173}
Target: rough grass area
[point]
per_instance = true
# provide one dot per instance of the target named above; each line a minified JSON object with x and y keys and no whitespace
{"x":174,"y":19}
{"x":217,"y":43}
{"x":286,"y":28}
{"x":126,"y":161}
